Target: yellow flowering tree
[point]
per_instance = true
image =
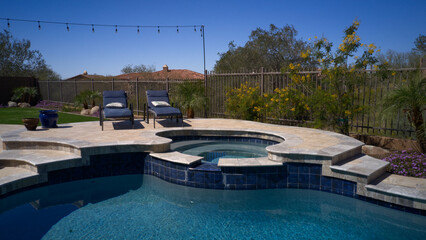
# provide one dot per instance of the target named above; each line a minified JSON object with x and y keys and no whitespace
{"x":332,"y":102}
{"x":245,"y":102}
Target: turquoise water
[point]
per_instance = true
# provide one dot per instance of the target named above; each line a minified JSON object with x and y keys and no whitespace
{"x":212,"y":150}
{"x":145,"y":207}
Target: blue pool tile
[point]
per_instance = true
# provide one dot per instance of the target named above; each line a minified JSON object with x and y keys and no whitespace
{"x":316,"y":169}
{"x":349,"y":186}
{"x":293,"y":168}
{"x":293,"y":178}
{"x":251,"y":178}
{"x":304,"y":169}
{"x":326,"y":182}
{"x":337,"y":184}
{"x":293,"y":185}
{"x":314,"y":187}
{"x":304,"y":179}
{"x":314,"y":179}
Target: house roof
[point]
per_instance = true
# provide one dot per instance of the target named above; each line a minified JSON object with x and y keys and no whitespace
{"x":88,"y":77}
{"x":163,"y":74}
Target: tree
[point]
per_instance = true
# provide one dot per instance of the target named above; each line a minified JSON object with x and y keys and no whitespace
{"x":406,"y":59}
{"x":271,"y":49}
{"x":17,"y":60}
{"x":137,"y":68}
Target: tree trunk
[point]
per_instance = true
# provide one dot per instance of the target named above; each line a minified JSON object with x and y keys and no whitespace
{"x":190,"y":113}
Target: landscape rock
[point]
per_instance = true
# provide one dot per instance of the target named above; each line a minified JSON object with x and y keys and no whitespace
{"x":94,"y":110}
{"x":24,"y":105}
{"x":85,"y":112}
{"x":12,"y":104}
{"x":374,"y":151}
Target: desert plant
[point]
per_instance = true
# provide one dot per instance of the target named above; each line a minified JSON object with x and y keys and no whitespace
{"x":245,"y":102}
{"x":24,"y":94}
{"x":410,"y":98}
{"x":87,"y":97}
{"x":190,"y":95}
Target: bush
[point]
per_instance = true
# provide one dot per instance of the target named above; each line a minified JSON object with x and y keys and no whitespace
{"x":245,"y":102}
{"x":407,"y":163}
{"x":25,"y":94}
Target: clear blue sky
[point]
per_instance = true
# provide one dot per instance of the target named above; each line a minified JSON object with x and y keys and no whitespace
{"x":388,"y":24}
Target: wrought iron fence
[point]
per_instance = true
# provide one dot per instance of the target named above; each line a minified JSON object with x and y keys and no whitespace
{"x":369,"y":93}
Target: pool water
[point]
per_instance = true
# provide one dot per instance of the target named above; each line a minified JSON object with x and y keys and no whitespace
{"x":145,"y":207}
{"x":212,"y":150}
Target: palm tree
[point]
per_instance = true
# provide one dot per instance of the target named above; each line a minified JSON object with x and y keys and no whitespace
{"x":411,"y":99}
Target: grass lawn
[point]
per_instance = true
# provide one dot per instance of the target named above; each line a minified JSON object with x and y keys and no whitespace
{"x":15,"y":115}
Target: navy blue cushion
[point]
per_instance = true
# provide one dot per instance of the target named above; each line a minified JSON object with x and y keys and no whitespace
{"x":166,"y":111}
{"x":117,"y":112}
{"x":115,"y":96}
{"x":156,"y":95}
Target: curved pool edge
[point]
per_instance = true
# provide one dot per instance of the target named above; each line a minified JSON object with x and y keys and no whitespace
{"x":92,"y":151}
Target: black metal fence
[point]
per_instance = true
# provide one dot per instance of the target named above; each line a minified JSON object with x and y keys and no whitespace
{"x":369,"y":93}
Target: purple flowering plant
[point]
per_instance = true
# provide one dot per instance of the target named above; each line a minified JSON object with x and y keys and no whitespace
{"x":45,"y":104}
{"x":407,"y":163}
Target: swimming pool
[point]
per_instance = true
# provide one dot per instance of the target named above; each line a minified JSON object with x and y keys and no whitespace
{"x":213,"y":150}
{"x":145,"y":207}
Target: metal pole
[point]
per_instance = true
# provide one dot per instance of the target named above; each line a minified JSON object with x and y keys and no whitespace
{"x":167,"y":84}
{"x":48,"y":90}
{"x":93,"y":85}
{"x":75,"y":88}
{"x":205,"y":92}
{"x":60,"y":91}
{"x":137,"y":96}
{"x":204,"y":47}
{"x":112,"y":84}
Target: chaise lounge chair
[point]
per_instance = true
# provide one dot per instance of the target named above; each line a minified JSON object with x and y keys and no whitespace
{"x":159,"y":105}
{"x":115,"y":106}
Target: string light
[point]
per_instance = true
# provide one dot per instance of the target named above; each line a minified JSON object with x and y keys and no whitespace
{"x":68,"y":25}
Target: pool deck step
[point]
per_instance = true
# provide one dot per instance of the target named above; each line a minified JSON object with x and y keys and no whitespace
{"x":399,"y":189}
{"x":13,"y":178}
{"x":362,"y":168}
{"x":247,"y":162}
{"x":178,"y":157}
{"x":40,"y":161}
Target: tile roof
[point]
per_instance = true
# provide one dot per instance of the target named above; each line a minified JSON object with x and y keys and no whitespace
{"x":162,"y":74}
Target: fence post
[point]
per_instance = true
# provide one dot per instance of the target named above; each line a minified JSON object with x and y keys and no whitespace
{"x":261,"y":81}
{"x":48,"y":90}
{"x":93,"y":85}
{"x":60,"y":90}
{"x":75,"y":88}
{"x":137,"y":95}
{"x":112,"y":84}
{"x":205,"y":92}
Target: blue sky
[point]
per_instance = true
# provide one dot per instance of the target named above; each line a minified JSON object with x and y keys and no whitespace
{"x":388,"y":24}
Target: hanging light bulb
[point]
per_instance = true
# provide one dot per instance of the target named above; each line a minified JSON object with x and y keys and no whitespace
{"x":138,"y":29}
{"x":39,"y":27}
{"x":93,"y":28}
{"x":177,"y":29}
{"x":8,"y":23}
{"x":68,"y":28}
{"x":116,"y":29}
{"x":158,"y":29}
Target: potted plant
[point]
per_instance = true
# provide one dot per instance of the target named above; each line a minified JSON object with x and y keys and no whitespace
{"x":30,"y":123}
{"x":190,"y":96}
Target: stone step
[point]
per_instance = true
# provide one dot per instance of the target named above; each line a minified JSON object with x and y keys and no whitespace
{"x":402,"y":190}
{"x":13,"y":144}
{"x":362,"y":168}
{"x":40,"y":161}
{"x":14,"y":178}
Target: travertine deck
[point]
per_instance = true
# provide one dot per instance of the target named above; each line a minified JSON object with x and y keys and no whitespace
{"x":52,"y":148}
